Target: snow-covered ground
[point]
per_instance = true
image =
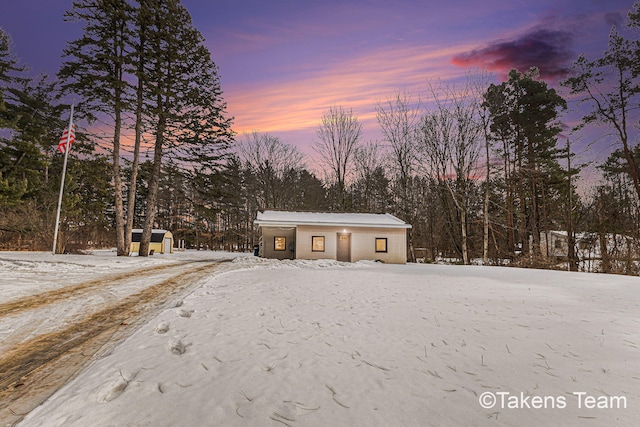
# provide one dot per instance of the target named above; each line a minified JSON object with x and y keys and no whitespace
{"x":316,"y":343}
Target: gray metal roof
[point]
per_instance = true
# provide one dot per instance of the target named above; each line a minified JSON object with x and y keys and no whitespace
{"x":285,"y":218}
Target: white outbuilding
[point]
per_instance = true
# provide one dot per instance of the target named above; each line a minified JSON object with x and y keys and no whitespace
{"x":348,"y":237}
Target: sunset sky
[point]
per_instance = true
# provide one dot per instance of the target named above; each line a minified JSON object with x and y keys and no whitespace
{"x":284,"y":62}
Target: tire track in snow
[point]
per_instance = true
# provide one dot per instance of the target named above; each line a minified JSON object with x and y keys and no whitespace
{"x":33,"y":370}
{"x":48,"y":311}
{"x":49,"y":297}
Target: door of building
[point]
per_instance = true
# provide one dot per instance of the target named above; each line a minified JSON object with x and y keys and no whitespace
{"x":343,"y":252}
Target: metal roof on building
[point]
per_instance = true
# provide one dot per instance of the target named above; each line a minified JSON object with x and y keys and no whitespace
{"x":289,"y":219}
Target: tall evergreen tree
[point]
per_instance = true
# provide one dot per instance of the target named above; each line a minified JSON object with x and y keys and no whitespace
{"x":523,"y":113}
{"x":31,"y":139}
{"x":9,"y":74}
{"x":12,"y":188}
{"x":187,"y":112}
{"x":139,"y":57}
{"x":94,"y":69}
{"x":610,"y":85}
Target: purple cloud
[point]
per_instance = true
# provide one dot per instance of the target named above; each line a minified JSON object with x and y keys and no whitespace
{"x":549,"y":50}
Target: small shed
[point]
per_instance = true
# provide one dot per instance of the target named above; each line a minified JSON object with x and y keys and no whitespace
{"x":345,"y":237}
{"x":161,"y":241}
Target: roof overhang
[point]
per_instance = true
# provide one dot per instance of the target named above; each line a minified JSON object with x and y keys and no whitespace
{"x":328,"y":219}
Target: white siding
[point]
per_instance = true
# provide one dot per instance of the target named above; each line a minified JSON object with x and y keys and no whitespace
{"x":363,"y":240}
{"x":268,"y":240}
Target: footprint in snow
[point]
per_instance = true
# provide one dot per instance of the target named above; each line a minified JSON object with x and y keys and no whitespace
{"x":114,"y":389}
{"x":162,"y":327}
{"x":177,"y":347}
{"x":183,"y":312}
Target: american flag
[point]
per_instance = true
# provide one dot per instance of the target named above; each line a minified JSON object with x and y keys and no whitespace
{"x":62,"y":146}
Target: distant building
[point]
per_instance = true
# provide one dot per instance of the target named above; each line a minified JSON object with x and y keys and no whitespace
{"x":345,"y":237}
{"x":587,"y":245}
{"x":554,"y":244}
{"x":161,"y":241}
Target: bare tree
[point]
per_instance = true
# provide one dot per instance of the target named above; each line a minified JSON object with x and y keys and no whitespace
{"x":269,"y":160}
{"x":479,"y":83}
{"x":450,"y":146}
{"x":371,"y":182}
{"x":398,"y":118}
{"x":367,"y":158}
{"x":338,"y":136}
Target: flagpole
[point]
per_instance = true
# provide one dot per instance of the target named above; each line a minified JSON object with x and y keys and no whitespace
{"x":64,"y":171}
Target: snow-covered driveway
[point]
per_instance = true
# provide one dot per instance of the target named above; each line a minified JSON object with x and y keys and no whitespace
{"x":51,"y":329}
{"x":323,"y":343}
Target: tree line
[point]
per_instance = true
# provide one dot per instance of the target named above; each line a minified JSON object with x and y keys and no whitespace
{"x":142,"y":74}
{"x":481,"y":170}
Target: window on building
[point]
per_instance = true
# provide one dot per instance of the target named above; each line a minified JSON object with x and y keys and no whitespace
{"x":558,"y":244}
{"x":381,"y":244}
{"x":280,"y":243}
{"x":317,"y":244}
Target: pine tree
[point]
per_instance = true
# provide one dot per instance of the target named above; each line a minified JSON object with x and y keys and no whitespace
{"x":12,"y":186}
{"x":186,"y":109}
{"x":610,"y":85}
{"x":523,"y":113}
{"x":139,"y":58}
{"x":95,"y":70}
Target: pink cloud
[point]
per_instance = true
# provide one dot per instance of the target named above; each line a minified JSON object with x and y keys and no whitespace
{"x":549,"y":50}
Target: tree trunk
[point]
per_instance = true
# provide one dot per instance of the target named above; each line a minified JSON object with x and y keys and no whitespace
{"x":535,"y":218}
{"x":602,"y":236}
{"x":131,"y":202}
{"x":485,"y":208}
{"x":522,"y":214}
{"x":412,"y":252}
{"x":463,"y":229}
{"x":154,"y":183}
{"x":121,"y":250}
{"x":511,"y":241}
{"x":571,"y":241}
{"x":633,"y":167}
